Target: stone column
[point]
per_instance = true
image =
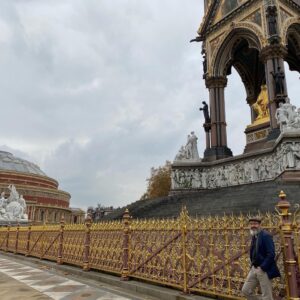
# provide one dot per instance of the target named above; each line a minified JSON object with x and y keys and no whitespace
{"x":273,"y":57}
{"x":46,"y":216}
{"x":33,"y":213}
{"x":218,"y":149}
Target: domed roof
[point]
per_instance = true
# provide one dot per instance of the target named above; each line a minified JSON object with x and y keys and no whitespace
{"x":11,"y":163}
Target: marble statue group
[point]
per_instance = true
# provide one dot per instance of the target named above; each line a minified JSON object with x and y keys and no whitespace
{"x":288,"y":117}
{"x":190,"y":150}
{"x":12,"y":208}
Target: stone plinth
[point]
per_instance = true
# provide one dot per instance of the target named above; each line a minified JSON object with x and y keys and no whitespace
{"x":256,"y":136}
{"x":13,"y":223}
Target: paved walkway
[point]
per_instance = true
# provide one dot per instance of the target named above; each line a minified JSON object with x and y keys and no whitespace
{"x":22,"y":282}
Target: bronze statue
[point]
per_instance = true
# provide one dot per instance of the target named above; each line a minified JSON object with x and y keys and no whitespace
{"x":279,"y":81}
{"x":205,"y":112}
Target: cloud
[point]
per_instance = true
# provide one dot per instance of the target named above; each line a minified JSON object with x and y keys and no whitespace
{"x":98,"y":92}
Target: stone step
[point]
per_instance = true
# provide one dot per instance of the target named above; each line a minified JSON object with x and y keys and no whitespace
{"x":246,"y":199}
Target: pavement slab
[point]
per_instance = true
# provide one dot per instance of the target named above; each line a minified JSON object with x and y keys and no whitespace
{"x":65,"y":282}
{"x":18,"y":281}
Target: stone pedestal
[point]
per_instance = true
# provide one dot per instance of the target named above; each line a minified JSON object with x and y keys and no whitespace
{"x":13,"y":223}
{"x":256,"y":136}
{"x":216,"y":153}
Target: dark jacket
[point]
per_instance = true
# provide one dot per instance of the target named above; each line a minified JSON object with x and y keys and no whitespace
{"x":265,"y":254}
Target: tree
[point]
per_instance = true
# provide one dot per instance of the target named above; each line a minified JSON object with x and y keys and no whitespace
{"x":159,"y":183}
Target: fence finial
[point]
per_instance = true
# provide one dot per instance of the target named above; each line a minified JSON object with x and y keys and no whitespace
{"x":282,"y":195}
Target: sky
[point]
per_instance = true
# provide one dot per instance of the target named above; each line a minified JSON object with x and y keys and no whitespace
{"x":97,"y":92}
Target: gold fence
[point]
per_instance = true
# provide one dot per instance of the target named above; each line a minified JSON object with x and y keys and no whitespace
{"x":206,"y":255}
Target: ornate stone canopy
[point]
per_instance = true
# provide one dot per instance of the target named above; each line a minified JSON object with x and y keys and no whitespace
{"x":254,"y":37}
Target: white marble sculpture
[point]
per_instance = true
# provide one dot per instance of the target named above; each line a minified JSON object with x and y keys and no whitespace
{"x":261,"y":168}
{"x":288,"y":117}
{"x":189,"y":152}
{"x":14,"y":207}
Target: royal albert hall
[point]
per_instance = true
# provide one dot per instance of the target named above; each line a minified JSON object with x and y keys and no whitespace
{"x":45,"y":202}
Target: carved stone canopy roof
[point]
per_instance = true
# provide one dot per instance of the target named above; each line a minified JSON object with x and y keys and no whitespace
{"x":9,"y":162}
{"x":208,"y":23}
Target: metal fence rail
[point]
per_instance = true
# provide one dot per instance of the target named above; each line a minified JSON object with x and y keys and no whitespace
{"x":207,"y":255}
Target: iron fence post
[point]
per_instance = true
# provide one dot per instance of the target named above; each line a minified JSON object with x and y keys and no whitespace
{"x":290,"y":263}
{"x":60,"y":243}
{"x":17,"y":239}
{"x":28,"y":240}
{"x":7,"y":239}
{"x":87,"y":242}
{"x":183,"y":222}
{"x":126,"y":232}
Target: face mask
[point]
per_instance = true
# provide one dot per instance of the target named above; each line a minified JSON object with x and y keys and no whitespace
{"x":253,"y":232}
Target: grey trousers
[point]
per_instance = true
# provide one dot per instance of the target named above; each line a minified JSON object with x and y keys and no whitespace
{"x":257,"y":277}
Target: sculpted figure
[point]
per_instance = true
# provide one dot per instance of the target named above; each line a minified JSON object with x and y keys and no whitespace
{"x":204,"y":62}
{"x":197,"y":179}
{"x":261,"y":105}
{"x":204,"y":179}
{"x":3,"y":201}
{"x":279,"y":81}
{"x":290,"y":111}
{"x":225,"y":176}
{"x":218,"y":178}
{"x":281,"y":116}
{"x":295,"y":122}
{"x":272,"y":21}
{"x":288,"y":117}
{"x":23,"y":205}
{"x":247,"y":168}
{"x":190,"y":150}
{"x":231,"y":174}
{"x":188,"y":183}
{"x":14,"y":195}
{"x":181,"y":154}
{"x":205,"y":112}
{"x":194,"y":148}
{"x":16,"y":205}
{"x":176,"y":178}
{"x":3,"y":207}
{"x":288,"y":156}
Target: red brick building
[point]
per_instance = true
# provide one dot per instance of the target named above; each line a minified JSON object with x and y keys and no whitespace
{"x":45,"y":202}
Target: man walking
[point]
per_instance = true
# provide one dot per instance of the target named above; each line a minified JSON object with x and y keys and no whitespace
{"x":263,"y":265}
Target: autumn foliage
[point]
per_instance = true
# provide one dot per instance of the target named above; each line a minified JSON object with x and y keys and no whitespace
{"x":159,"y":183}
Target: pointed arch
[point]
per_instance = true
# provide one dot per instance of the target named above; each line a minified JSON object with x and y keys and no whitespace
{"x":240,"y":49}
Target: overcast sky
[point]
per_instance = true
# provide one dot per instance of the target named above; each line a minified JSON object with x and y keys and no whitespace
{"x":96,"y":92}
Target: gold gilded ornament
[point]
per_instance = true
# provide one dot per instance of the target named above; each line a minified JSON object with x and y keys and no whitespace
{"x":261,"y":107}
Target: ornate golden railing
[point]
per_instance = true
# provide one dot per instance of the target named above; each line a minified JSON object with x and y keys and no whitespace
{"x":206,"y":255}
